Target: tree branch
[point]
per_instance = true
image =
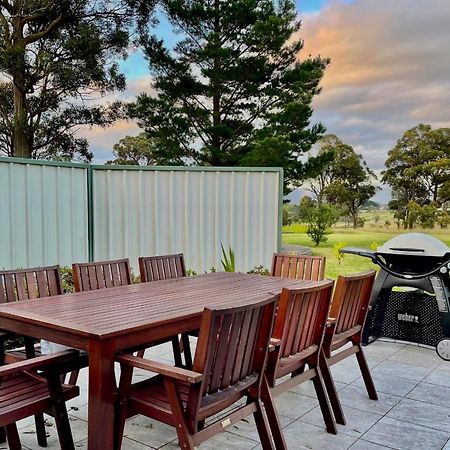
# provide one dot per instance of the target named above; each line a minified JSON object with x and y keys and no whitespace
{"x":41,"y":34}
{"x":5,"y":26}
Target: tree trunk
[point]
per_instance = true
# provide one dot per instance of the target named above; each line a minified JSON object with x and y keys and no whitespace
{"x":353,"y":209}
{"x":21,"y":137}
{"x":21,"y":141}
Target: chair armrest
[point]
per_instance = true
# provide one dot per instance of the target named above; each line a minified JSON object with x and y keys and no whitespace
{"x":38,"y":363}
{"x":161,"y":368}
{"x":274,"y":344}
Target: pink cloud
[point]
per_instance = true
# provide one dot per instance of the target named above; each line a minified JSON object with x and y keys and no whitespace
{"x":389,"y":69}
{"x":101,"y":140}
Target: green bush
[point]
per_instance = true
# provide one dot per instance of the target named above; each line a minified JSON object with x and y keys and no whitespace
{"x":259,"y":270}
{"x":337,"y":251}
{"x":319,"y":219}
{"x":67,"y":279}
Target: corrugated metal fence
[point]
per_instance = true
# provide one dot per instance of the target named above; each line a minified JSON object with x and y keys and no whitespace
{"x":56,"y":213}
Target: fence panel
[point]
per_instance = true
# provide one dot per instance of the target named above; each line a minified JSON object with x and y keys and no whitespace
{"x":43,"y":213}
{"x":190,"y":210}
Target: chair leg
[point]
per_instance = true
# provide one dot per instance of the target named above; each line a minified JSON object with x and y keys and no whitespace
{"x":2,"y":435}
{"x":13,"y":437}
{"x":41,"y":433}
{"x":365,"y":372}
{"x":324,"y":403}
{"x":184,"y":437}
{"x":187,"y":351}
{"x":331,"y":390}
{"x":177,"y":351}
{"x":60,"y":412}
{"x":120,"y":416}
{"x":263,"y":427}
{"x":272,"y":416}
{"x":73,"y":377}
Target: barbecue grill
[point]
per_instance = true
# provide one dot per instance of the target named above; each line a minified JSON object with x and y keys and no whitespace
{"x":410,"y":298}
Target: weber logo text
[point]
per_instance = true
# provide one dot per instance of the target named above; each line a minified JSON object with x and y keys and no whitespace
{"x":407,"y":317}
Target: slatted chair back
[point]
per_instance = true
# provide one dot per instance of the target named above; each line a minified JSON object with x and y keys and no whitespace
{"x":298,"y":335}
{"x":351,"y":301}
{"x":164,"y":267}
{"x":231,"y":355}
{"x":25,"y":284}
{"x":302,"y":267}
{"x":101,"y":275}
{"x":348,"y":314}
{"x":300,"y":324}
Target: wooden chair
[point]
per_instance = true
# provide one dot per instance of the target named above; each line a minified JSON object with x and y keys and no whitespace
{"x":298,"y":334}
{"x":26,"y":284}
{"x":228,"y":366}
{"x":301,"y":267}
{"x":346,"y":322}
{"x":165,"y":267}
{"x":25,"y":392}
{"x":100,"y":275}
{"x":154,"y":268}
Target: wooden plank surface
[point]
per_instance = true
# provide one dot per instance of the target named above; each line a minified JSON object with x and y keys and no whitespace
{"x":107,"y":313}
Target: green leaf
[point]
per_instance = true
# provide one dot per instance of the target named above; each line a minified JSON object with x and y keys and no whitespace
{"x":228,"y":259}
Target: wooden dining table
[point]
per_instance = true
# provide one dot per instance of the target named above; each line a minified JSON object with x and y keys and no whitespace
{"x":104,"y":322}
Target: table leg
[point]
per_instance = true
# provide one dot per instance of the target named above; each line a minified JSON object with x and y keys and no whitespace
{"x":101,"y":396}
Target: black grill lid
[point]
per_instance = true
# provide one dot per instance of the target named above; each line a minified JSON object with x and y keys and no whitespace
{"x":417,"y":244}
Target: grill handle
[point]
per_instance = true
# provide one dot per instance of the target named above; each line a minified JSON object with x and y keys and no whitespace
{"x":360,"y":252}
{"x":380,"y":262}
{"x":416,"y":276}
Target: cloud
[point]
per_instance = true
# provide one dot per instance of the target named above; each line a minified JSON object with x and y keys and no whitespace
{"x":389,"y":70}
{"x":102,"y":140}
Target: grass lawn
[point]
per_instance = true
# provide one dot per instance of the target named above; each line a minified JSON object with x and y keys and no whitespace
{"x":364,"y":238}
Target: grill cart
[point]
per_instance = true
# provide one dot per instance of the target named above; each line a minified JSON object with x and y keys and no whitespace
{"x":410,"y":298}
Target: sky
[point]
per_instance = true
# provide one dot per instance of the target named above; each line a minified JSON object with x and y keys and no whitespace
{"x":389,"y":71}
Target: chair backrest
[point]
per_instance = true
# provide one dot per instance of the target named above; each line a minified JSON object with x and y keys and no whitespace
{"x":301,"y":267}
{"x":101,"y":275}
{"x":164,"y":267}
{"x":231,"y":354}
{"x":25,"y":284}
{"x":300,"y":325}
{"x":351,"y":301}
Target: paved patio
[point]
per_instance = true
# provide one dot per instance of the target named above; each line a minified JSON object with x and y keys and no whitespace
{"x":413,"y":411}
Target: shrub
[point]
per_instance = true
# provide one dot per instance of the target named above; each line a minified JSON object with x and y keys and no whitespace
{"x":67,"y":279}
{"x":319,"y":220}
{"x":337,"y":251}
{"x":228,"y":262}
{"x":259,"y":270}
{"x":443,"y":219}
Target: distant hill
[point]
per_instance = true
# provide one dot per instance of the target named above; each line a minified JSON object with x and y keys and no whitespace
{"x":382,"y":196}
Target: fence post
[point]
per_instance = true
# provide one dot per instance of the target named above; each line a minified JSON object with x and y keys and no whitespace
{"x":90,"y":202}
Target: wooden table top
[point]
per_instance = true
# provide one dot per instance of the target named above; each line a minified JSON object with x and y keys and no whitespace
{"x":106,"y":313}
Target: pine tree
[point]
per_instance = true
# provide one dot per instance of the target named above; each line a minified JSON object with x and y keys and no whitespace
{"x":233,"y":90}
